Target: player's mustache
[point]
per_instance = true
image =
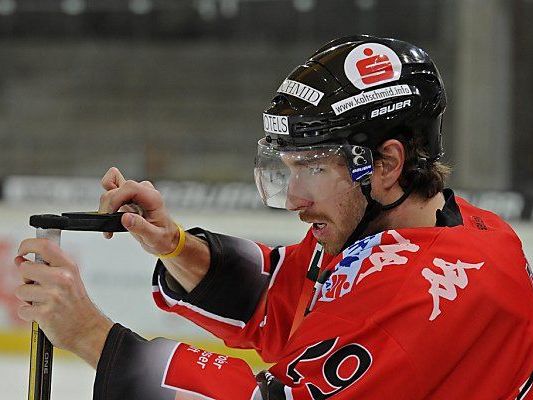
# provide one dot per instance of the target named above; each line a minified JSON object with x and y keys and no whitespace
{"x":311,"y":217}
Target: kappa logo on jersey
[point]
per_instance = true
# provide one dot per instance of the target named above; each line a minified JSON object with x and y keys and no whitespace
{"x":372,"y":64}
{"x":389,"y":255}
{"x":445,"y":286}
{"x":364,"y":258}
{"x":337,"y":372}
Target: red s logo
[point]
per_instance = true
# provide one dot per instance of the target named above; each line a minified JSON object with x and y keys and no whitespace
{"x":371,"y":64}
{"x":374,"y":68}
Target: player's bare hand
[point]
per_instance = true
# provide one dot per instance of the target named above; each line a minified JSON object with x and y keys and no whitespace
{"x":152,"y":228}
{"x":55,"y":297}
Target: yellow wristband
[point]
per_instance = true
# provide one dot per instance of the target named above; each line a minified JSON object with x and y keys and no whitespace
{"x":179,"y":248}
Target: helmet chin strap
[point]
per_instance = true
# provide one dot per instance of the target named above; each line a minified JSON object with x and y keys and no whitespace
{"x":373,"y":209}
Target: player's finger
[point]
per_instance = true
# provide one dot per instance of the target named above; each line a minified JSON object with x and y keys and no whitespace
{"x":27,"y":312}
{"x":106,"y":201}
{"x":130,"y":192}
{"x":31,"y":293}
{"x":128,"y":208}
{"x":112,"y":179}
{"x":37,"y":273}
{"x":19,"y":260}
{"x":138,"y":226}
{"x":147,"y":184}
{"x":133,"y":208}
{"x":49,"y":251}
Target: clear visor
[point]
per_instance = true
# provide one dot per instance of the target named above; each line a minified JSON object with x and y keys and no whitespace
{"x":294,"y":178}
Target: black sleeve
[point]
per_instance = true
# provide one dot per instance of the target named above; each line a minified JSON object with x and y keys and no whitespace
{"x":131,"y":367}
{"x":234,"y":283}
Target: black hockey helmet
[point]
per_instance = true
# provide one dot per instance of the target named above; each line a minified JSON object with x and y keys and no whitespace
{"x":360,"y":90}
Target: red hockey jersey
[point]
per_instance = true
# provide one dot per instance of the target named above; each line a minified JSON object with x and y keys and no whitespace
{"x":422,"y":313}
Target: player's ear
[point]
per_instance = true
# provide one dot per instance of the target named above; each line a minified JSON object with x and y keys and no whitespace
{"x":389,"y":165}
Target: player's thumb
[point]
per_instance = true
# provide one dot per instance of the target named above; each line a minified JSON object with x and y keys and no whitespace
{"x":138,"y":226}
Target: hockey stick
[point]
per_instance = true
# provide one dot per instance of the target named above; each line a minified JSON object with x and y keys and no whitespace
{"x":50,"y":227}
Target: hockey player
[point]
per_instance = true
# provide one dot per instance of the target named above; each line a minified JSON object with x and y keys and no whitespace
{"x":399,"y":290}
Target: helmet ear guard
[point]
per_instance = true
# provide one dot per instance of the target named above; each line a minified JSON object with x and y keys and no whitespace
{"x":360,"y":163}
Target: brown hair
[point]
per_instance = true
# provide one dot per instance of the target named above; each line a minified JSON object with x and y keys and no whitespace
{"x":430,"y":178}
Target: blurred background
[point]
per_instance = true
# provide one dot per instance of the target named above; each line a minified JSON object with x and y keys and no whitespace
{"x":172,"y":91}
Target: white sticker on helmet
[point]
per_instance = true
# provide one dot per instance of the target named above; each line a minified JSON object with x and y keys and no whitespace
{"x":277,"y":124}
{"x":372,"y":64}
{"x":370,"y":97}
{"x":302,"y":91}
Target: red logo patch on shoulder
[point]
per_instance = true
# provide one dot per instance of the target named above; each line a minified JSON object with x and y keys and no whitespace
{"x":364,"y":258}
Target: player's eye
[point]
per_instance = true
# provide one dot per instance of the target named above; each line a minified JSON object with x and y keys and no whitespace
{"x":315,"y":169}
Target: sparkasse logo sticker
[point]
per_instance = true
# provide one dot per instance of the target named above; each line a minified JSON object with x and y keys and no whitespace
{"x":372,"y":64}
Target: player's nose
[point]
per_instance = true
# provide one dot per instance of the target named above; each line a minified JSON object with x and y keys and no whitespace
{"x":297,"y":204}
{"x":298,"y":198}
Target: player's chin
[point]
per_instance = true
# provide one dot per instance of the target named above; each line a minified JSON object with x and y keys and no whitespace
{"x":330,"y":237}
{"x":333,"y":247}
